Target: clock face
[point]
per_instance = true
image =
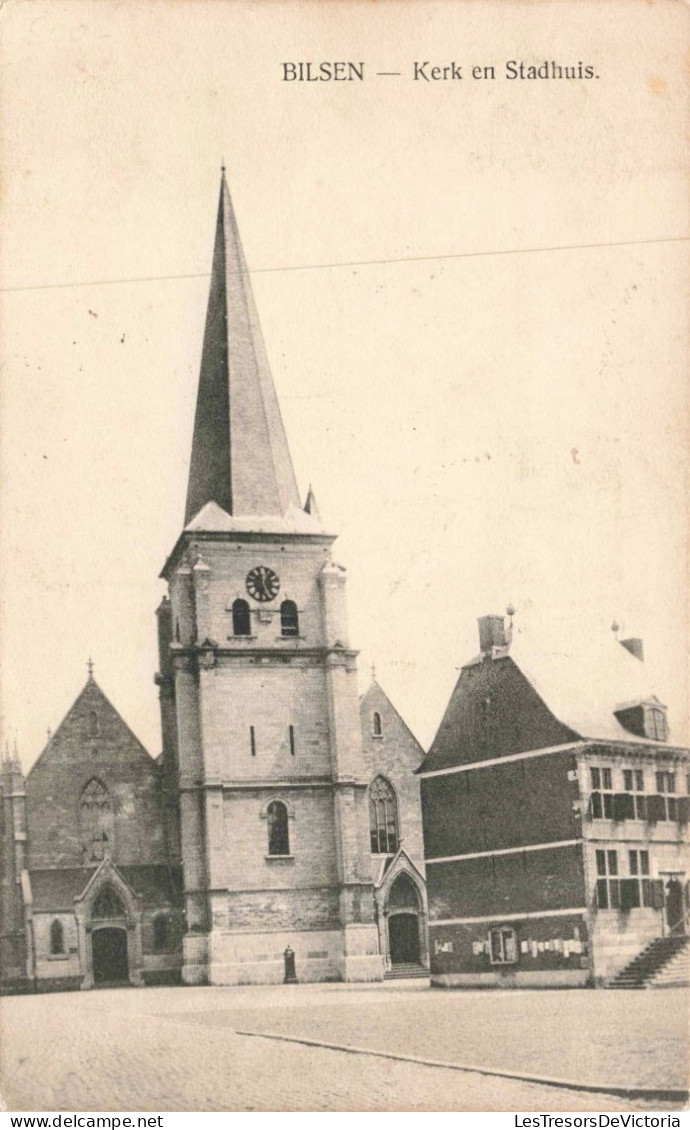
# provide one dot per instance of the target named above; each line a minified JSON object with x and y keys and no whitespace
{"x":262,"y":583}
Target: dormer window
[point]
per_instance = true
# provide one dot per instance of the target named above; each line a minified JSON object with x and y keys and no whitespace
{"x":644,"y":719}
{"x":655,"y":723}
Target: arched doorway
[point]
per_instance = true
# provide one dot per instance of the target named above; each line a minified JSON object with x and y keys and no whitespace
{"x":109,"y":952}
{"x":402,"y":908}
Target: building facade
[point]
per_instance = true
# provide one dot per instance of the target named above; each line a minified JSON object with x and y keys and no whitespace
{"x":555,"y":815}
{"x":283,"y":814}
{"x":91,"y":895}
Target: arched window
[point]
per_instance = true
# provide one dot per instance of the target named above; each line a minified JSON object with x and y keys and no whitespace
{"x":96,"y":820}
{"x":57,"y":937}
{"x":108,"y":905}
{"x":289,"y":619}
{"x":383,"y":817}
{"x":278,"y":837}
{"x":161,"y":932}
{"x":240,"y":617}
{"x":93,"y":724}
{"x":376,"y":727}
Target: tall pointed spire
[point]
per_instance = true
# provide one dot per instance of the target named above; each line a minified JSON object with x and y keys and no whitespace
{"x":240,"y":456}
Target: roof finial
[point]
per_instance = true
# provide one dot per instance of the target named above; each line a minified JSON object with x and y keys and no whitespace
{"x":615,"y":628}
{"x":222,"y":165}
{"x":373,"y":672}
{"x":89,"y":667}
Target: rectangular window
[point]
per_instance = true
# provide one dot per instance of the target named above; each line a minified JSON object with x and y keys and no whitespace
{"x":292,"y":740}
{"x":503,"y":946}
{"x":666,"y":788}
{"x":638,"y":867}
{"x":608,"y":885}
{"x":252,"y":741}
{"x":601,"y":804}
{"x":633,"y":780}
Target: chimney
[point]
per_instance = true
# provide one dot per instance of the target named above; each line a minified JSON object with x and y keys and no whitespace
{"x":492,"y":633}
{"x":635,"y":647}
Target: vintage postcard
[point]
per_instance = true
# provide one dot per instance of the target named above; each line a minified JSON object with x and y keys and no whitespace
{"x":343,"y":548}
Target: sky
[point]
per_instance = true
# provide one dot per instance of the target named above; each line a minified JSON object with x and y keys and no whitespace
{"x":474,"y":298}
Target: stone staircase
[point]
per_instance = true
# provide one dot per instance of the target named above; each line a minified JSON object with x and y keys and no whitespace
{"x":664,"y":962}
{"x":404,"y":970}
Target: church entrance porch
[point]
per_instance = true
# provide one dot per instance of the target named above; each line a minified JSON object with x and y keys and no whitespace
{"x":109,"y":956}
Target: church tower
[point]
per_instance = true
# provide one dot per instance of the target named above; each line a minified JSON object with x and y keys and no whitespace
{"x":258,"y":684}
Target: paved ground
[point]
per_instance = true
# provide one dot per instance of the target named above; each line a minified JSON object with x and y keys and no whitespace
{"x":178,"y":1049}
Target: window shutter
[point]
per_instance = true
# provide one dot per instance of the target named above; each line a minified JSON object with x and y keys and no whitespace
{"x":630,"y":894}
{"x":658,"y":894}
{"x":623,"y":807}
{"x":656,"y":809}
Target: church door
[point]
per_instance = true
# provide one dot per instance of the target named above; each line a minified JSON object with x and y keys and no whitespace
{"x":403,"y":935}
{"x":109,"y":949}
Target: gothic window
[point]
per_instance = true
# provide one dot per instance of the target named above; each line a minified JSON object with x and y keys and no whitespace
{"x":93,"y":724}
{"x":161,"y":932}
{"x":376,"y":727}
{"x":289,"y":619}
{"x":278,"y":836}
{"x":108,"y":905}
{"x":57,"y":937}
{"x":96,"y":820}
{"x":240,"y":617}
{"x":383,"y":817}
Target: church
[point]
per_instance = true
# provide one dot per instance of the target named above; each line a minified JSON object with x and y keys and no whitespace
{"x":278,"y":835}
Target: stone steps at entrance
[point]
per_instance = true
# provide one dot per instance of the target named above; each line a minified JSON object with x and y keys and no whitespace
{"x":646,"y":969}
{"x":405,"y":969}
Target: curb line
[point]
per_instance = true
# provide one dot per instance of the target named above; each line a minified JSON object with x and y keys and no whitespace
{"x":667,"y":1094}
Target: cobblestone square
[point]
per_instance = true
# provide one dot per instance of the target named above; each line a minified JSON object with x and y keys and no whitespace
{"x":181,"y":1049}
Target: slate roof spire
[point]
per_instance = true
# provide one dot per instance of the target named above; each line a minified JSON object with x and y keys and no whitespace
{"x":240,"y":455}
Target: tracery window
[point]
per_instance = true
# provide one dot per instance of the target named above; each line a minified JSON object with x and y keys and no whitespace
{"x":96,"y":820}
{"x":383,"y":817}
{"x":108,"y":905}
{"x":278,"y":835}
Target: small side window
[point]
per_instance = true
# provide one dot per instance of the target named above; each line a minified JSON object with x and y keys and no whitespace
{"x":57,"y":937}
{"x":376,"y":727}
